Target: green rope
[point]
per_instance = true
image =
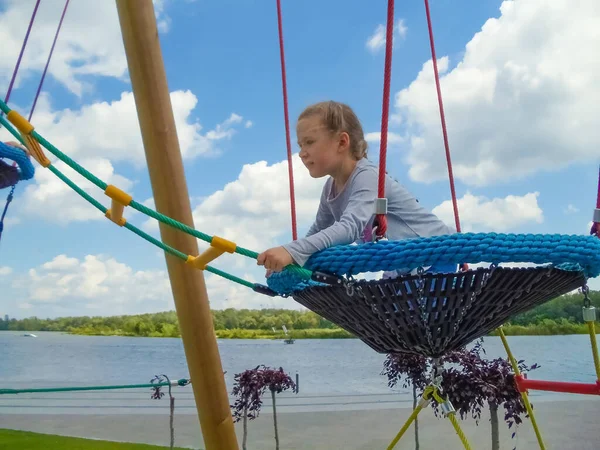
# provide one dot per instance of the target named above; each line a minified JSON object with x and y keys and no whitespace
{"x":77,"y":189}
{"x":230,"y":277}
{"x":181,"y":382}
{"x":72,"y":164}
{"x":171,"y":222}
{"x":304,"y":273}
{"x":156,"y":242}
{"x":10,"y":128}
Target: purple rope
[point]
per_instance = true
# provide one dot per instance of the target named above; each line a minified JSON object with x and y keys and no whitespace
{"x":39,"y":89}
{"x":14,"y":75}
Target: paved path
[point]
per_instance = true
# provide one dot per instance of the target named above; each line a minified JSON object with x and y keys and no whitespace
{"x":352,"y":422}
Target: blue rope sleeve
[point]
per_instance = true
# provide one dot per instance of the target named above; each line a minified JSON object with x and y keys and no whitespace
{"x":567,"y":252}
{"x":26,"y":169}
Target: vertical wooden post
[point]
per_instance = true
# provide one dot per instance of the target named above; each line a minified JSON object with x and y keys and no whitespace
{"x":161,"y":145}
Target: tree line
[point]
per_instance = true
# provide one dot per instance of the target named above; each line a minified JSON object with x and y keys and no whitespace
{"x":559,"y":316}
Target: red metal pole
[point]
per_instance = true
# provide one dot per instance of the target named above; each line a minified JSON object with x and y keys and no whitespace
{"x":523,"y":384}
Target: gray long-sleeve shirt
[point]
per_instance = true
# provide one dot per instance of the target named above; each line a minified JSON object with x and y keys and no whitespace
{"x":347,"y":217}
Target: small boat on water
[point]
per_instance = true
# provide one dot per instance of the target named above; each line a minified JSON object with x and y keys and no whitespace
{"x":29,"y":335}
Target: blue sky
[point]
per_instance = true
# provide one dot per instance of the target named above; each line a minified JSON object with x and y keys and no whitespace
{"x":518,"y":89}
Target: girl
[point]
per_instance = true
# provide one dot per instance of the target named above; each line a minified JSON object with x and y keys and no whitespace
{"x":332,"y":144}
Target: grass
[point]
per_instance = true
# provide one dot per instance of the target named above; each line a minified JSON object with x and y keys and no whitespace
{"x":13,"y":439}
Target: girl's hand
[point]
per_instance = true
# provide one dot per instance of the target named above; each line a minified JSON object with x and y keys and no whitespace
{"x":275,"y":259}
{"x":18,"y":145}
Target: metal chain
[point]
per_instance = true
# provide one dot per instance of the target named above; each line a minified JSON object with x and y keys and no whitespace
{"x":421,"y":301}
{"x":585,"y":290}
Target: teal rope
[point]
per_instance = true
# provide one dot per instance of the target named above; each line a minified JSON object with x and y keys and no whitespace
{"x":168,"y":221}
{"x":128,"y":225}
{"x":77,"y":189}
{"x":230,"y":277}
{"x":303,"y":274}
{"x":181,"y":382}
{"x":72,"y":164}
{"x":298,"y":271}
{"x":10,"y":128}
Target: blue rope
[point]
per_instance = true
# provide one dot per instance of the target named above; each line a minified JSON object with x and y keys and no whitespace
{"x":8,"y":200}
{"x":567,"y":252}
{"x":20,"y":157}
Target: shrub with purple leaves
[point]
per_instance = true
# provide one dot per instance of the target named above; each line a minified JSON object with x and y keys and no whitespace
{"x":411,"y":369}
{"x":250,"y":386}
{"x":473,"y":381}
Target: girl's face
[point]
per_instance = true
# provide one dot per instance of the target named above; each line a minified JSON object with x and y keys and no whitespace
{"x":321,"y":151}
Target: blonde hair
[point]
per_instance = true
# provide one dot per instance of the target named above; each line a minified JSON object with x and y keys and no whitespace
{"x":339,"y":117}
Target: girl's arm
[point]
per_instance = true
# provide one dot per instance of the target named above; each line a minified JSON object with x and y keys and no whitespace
{"x":351,"y":225}
{"x":324,"y":217}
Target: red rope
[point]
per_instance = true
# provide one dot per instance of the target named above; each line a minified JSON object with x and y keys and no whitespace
{"x":595,"y":230}
{"x":441,"y":106}
{"x":385,"y":110}
{"x":287,"y":124}
{"x":598,"y":198}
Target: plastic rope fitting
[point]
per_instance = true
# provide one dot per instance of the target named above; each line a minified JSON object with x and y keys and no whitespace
{"x":381,"y":205}
{"x":218,"y":246}
{"x":20,"y":122}
{"x":120,"y":199}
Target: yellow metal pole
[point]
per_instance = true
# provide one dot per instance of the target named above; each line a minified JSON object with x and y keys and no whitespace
{"x":165,"y":166}
{"x":524,"y":396}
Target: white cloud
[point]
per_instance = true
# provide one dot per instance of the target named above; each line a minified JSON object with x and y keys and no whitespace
{"x":56,"y":202}
{"x":571,"y":209}
{"x":521,"y":100}
{"x":99,"y":135}
{"x":478,"y":213}
{"x":101,"y":285}
{"x":96,"y":284}
{"x":254,"y":210}
{"x":375,"y":137}
{"x":377,"y":40}
{"x":5,"y":270}
{"x":89,"y":43}
{"x":111,"y":129}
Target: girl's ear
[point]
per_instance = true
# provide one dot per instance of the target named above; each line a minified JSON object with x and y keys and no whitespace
{"x":343,"y":141}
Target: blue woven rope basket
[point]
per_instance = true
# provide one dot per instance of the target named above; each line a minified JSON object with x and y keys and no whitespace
{"x":568,"y":252}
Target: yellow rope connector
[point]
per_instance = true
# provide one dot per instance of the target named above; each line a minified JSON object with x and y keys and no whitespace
{"x":20,"y":122}
{"x":218,"y":246}
{"x":35,"y":150}
{"x":25,"y":128}
{"x":120,"y":199}
{"x":118,"y":217}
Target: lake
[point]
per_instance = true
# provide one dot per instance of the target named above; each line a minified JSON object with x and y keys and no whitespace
{"x":342,"y":369}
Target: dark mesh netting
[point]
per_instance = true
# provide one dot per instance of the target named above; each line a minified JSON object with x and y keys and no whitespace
{"x":433,"y":314}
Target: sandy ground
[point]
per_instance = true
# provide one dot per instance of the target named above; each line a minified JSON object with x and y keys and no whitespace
{"x":353,"y":423}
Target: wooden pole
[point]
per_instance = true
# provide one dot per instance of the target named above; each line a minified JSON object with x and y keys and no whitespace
{"x":161,"y":145}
